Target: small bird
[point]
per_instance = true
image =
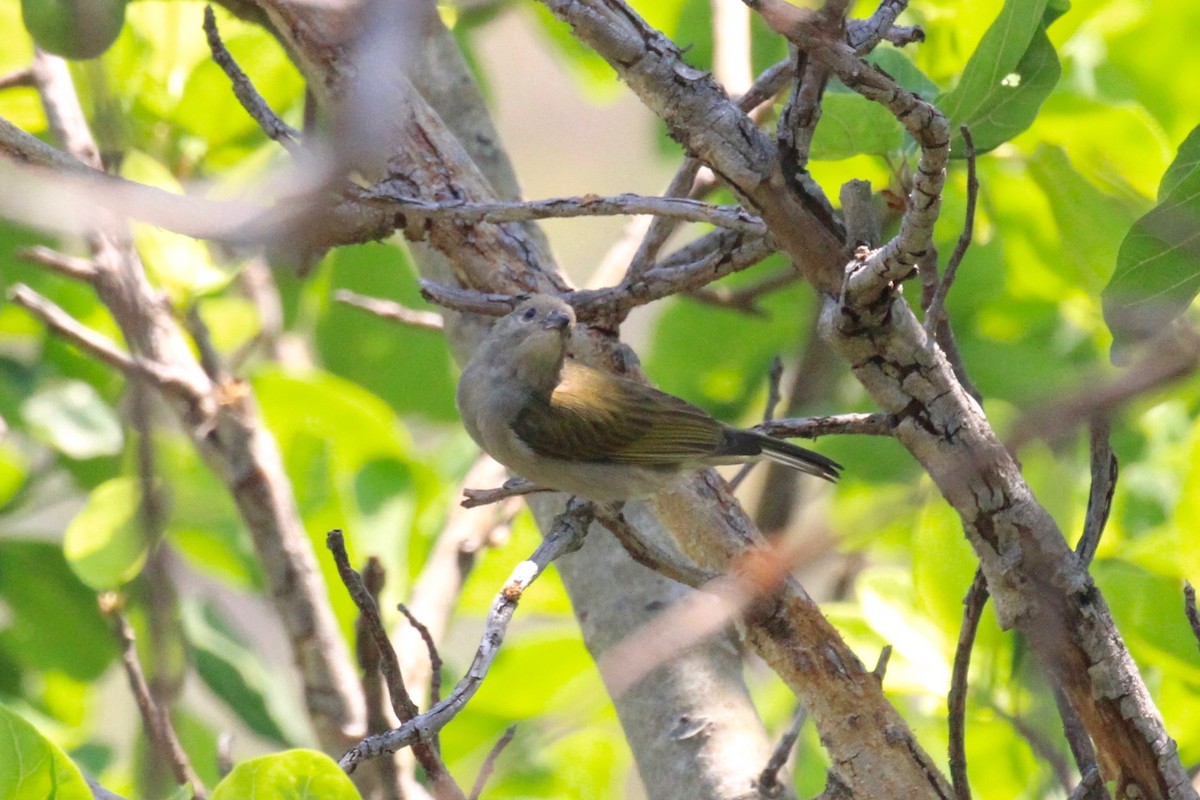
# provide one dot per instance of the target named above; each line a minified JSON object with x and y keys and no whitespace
{"x":566,"y":426}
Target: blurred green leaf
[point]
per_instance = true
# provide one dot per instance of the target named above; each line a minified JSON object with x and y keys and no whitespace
{"x":851,"y":125}
{"x":71,"y":417}
{"x":14,"y":468}
{"x":105,"y":543}
{"x":685,"y":360}
{"x":233,"y":672}
{"x":33,"y":766}
{"x":290,"y":775}
{"x":1158,"y":266}
{"x":1014,"y":69}
{"x":38,"y":587}
{"x":411,"y":369}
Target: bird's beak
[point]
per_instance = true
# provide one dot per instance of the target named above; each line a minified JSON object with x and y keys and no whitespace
{"x":557,"y":320}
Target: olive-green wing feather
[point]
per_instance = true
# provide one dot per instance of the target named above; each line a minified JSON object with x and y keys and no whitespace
{"x":596,"y":417}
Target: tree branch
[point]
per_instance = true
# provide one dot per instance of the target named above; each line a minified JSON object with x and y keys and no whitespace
{"x":565,"y":537}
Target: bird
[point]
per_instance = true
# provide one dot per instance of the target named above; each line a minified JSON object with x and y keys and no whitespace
{"x":569,"y":427}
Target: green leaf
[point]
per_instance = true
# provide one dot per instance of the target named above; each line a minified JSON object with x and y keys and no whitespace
{"x":1014,"y":69}
{"x":232,"y":670}
{"x":105,"y":543}
{"x":53,"y":622}
{"x":14,"y":468}
{"x":291,"y":775}
{"x":73,"y":418}
{"x":180,"y":264}
{"x":1090,"y":222}
{"x":1158,"y":265}
{"x":852,"y":125}
{"x":32,"y":767}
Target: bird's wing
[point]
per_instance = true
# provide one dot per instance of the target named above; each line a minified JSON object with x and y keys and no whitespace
{"x":597,"y":417}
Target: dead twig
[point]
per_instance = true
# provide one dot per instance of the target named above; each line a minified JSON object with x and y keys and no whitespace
{"x":489,"y":763}
{"x":566,"y":535}
{"x":155,"y":719}
{"x":391,"y":310}
{"x":243,"y":89}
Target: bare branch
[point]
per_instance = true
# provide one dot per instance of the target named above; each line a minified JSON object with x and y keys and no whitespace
{"x":683,"y":209}
{"x":1100,"y":497}
{"x":746,"y":298}
{"x":672,"y":565}
{"x":812,"y":427}
{"x":18,"y":78}
{"x":513,"y":487}
{"x":864,"y":34}
{"x":97,"y":346}
{"x":489,"y":304}
{"x":973,"y":604}
{"x":489,"y":763}
{"x":881,"y":663}
{"x":80,"y":269}
{"x":1174,"y":354}
{"x":935,"y":314}
{"x":402,"y":703}
{"x":774,"y":375}
{"x":1189,"y":608}
{"x":768,"y":783}
{"x":244,"y":90}
{"x":566,"y":536}
{"x":435,"y":660}
{"x":155,"y":719}
{"x":695,"y":265}
{"x":390,"y":310}
{"x":373,"y":577}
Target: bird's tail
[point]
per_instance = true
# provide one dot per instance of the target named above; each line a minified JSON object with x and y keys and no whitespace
{"x":797,"y":457}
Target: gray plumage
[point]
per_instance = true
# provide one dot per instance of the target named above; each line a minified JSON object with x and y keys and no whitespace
{"x":569,"y":427}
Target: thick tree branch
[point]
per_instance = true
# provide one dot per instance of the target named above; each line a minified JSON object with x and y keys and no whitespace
{"x":223,"y":423}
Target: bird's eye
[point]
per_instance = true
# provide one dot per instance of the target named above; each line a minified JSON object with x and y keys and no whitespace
{"x":529,"y":314}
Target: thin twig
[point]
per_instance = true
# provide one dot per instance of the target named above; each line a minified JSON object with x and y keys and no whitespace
{"x":864,"y":34}
{"x":1100,"y":497}
{"x":391,"y":310}
{"x":812,"y":427}
{"x":1168,"y":358}
{"x":566,"y":535}
{"x":1042,"y":747}
{"x":937,"y":305}
{"x":768,"y":783}
{"x":774,"y":375}
{"x":94,"y":344}
{"x":210,"y":360}
{"x":81,"y":269}
{"x":1189,"y":608}
{"x":373,"y":578}
{"x":745,"y":298}
{"x":881,"y":664}
{"x":1082,"y":749}
{"x":513,"y":487}
{"x":402,"y":703}
{"x":683,"y":209}
{"x":671,"y":565}
{"x":155,"y":719}
{"x":487,"y":303}
{"x":489,"y":763}
{"x":435,"y":660}
{"x":21,"y":77}
{"x":973,"y":604}
{"x":254,"y":103}
{"x":1088,"y":783}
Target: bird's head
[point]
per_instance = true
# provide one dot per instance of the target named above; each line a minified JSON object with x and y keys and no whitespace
{"x":535,"y":335}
